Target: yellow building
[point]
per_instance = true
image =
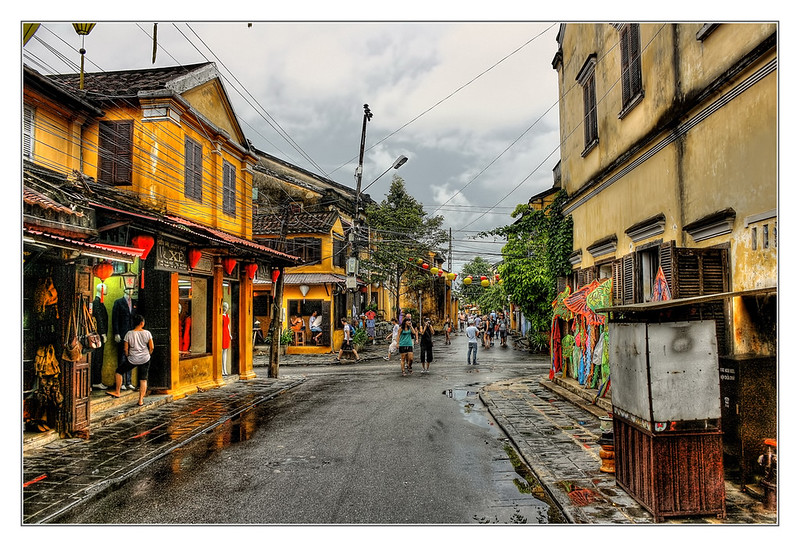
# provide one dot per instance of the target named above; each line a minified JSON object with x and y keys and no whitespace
{"x":166,"y":166}
{"x":669,"y":157}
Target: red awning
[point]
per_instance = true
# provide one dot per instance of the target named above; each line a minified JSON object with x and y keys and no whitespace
{"x":98,"y":250}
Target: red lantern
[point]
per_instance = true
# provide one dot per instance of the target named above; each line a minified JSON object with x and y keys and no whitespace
{"x":228,"y":263}
{"x":425,"y":266}
{"x":194,"y":256}
{"x":483,"y":278}
{"x":497,"y":277}
{"x":143,"y":241}
{"x":103,"y":270}
{"x":251,"y":270}
{"x":275,"y":275}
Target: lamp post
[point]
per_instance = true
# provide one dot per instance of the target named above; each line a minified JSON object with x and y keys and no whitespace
{"x":83,"y":29}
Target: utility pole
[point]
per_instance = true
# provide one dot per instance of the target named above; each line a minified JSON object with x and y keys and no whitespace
{"x":277,"y":302}
{"x":352,"y":265}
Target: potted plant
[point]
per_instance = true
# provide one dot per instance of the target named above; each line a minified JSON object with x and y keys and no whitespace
{"x":286,"y":338}
{"x":360,"y":339}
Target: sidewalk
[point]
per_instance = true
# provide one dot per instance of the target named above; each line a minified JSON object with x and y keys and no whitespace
{"x":59,"y":476}
{"x":555,"y":431}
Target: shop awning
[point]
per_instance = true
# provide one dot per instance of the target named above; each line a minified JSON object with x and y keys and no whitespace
{"x":115,"y":253}
{"x":666,"y":304}
{"x":308,"y":279}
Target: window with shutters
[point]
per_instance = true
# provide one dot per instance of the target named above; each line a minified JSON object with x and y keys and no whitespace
{"x":648,"y":269}
{"x":339,"y":254}
{"x":586,"y":78}
{"x":27,"y":132}
{"x":631,"y":78}
{"x":193,"y":170}
{"x":115,"y":153}
{"x":307,"y":248}
{"x":228,"y":188}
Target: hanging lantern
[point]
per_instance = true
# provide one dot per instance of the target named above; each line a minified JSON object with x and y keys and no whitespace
{"x":497,"y":277}
{"x":419,"y":261}
{"x":434,"y":270}
{"x":425,"y":266}
{"x":103,"y":270}
{"x":483,"y":278}
{"x":304,"y":291}
{"x":467,"y":281}
{"x":275,"y":274}
{"x":194,"y":256}
{"x":143,"y":241}
{"x":441,"y":273}
{"x":484,"y":283}
{"x":451,"y":276}
{"x":251,"y":270}
{"x":228,"y":263}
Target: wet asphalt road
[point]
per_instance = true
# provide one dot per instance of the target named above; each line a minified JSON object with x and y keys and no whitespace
{"x":354,"y":444}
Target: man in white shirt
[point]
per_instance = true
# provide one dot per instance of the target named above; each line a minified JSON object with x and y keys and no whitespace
{"x":472,"y":340}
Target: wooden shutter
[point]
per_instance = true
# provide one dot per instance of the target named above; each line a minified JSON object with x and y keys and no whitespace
{"x":193,"y":170}
{"x":27,"y":132}
{"x":628,"y":278}
{"x":665,"y":261}
{"x":115,"y":153}
{"x":228,"y":188}
{"x":625,"y":54}
{"x":616,"y":275}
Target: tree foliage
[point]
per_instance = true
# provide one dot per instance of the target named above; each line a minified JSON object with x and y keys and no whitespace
{"x":471,"y":294}
{"x":402,"y":231}
{"x":535,"y":256}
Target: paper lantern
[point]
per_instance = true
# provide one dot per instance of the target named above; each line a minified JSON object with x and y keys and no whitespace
{"x":251,"y":270}
{"x":143,"y":241}
{"x":483,"y":278}
{"x":425,"y":266}
{"x":103,"y":270}
{"x":467,"y":281}
{"x":194,"y":256}
{"x":275,"y":274}
{"x":441,"y":273}
{"x":497,"y":277}
{"x":484,"y":283}
{"x":434,"y":270}
{"x":228,"y":263}
{"x":419,"y":261}
{"x":451,"y":276}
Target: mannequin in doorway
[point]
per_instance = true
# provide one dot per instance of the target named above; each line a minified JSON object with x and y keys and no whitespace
{"x":185,"y":330}
{"x":121,"y":314}
{"x":100,"y":315}
{"x":226,"y":337}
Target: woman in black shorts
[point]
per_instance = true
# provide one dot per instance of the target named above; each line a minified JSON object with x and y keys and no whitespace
{"x":406,"y":345}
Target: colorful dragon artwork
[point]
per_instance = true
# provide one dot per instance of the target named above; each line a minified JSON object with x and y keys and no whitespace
{"x":582,"y":352}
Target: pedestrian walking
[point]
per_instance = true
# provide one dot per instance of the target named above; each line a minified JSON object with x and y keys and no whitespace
{"x":447,"y":328}
{"x":408,"y":335}
{"x":426,"y":345}
{"x":394,"y":335}
{"x":137,"y":348}
{"x":347,"y":343}
{"x":502,"y":328}
{"x":472,"y":342}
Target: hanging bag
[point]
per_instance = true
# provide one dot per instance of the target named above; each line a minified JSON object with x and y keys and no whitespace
{"x":91,"y":340}
{"x":72,"y":347}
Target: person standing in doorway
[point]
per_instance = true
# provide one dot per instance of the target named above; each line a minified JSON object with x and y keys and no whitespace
{"x":137,"y":347}
{"x":426,"y":345}
{"x":100,"y":315}
{"x":408,"y":335}
{"x":121,"y":314}
{"x":472,"y":334}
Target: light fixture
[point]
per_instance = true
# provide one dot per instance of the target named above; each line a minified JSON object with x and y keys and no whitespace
{"x":83,"y":29}
{"x":304,"y":291}
{"x":399,"y":162}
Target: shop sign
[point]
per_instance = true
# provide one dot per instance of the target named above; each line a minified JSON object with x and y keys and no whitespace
{"x":172,"y":257}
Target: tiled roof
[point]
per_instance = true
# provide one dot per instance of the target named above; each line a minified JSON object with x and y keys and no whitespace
{"x":308,"y":279}
{"x":125,"y":83}
{"x":32,"y":197}
{"x":304,"y":222}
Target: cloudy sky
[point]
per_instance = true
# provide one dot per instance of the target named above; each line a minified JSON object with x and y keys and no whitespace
{"x":473,"y":105}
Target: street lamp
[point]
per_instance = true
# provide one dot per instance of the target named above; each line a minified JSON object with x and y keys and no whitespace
{"x":83,"y":29}
{"x":396,"y":165}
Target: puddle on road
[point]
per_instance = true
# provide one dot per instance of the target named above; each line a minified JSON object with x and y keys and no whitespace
{"x":521,"y":499}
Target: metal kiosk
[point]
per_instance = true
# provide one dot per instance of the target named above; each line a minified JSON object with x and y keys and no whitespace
{"x":667,"y":416}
